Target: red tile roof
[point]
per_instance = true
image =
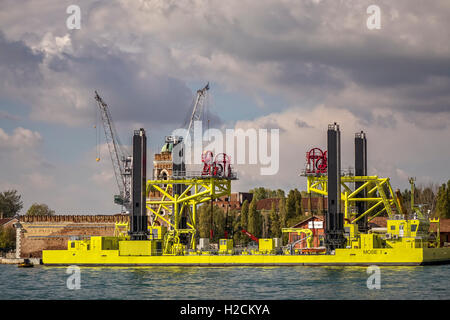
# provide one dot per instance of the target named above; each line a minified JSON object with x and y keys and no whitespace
{"x":318,"y":218}
{"x":7,"y":221}
{"x":378,"y":222}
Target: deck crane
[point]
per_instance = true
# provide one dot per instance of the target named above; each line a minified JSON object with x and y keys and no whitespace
{"x":248,"y":234}
{"x":121,"y":160}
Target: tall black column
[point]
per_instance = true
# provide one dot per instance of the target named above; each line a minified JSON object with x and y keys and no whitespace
{"x":334,"y":230}
{"x":138,"y":219}
{"x":361,"y":170}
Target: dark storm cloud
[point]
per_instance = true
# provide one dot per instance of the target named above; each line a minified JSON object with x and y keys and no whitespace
{"x":19,"y":65}
{"x":302,"y":124}
{"x":301,"y":50}
{"x":132,"y":95}
{"x":323,"y":47}
{"x":302,"y":74}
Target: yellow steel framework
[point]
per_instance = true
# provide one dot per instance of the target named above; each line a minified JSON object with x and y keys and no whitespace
{"x":196,"y":191}
{"x":121,"y":229}
{"x":379,"y":194}
{"x":299,"y":231}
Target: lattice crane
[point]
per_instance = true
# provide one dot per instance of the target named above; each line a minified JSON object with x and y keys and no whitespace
{"x":121,"y":160}
{"x":197,"y":111}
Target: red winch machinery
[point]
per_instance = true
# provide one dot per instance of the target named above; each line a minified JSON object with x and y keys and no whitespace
{"x":218,"y":166}
{"x":316,"y":161}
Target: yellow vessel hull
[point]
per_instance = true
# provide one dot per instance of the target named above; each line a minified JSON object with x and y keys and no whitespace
{"x":413,"y":256}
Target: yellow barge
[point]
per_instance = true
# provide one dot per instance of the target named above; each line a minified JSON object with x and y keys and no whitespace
{"x":341,"y":257}
{"x":169,"y":238}
{"x":403,"y":245}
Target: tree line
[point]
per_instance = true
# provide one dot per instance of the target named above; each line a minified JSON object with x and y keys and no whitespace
{"x":10,"y":205}
{"x":284,"y":212}
{"x":433,"y":200}
{"x":287,"y":212}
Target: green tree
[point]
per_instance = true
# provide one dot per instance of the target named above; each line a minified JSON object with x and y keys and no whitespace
{"x":7,"y":238}
{"x":265,"y":193}
{"x":237,"y":233}
{"x":255,"y":220}
{"x":294,"y":206}
{"x":259,"y":224}
{"x":244,"y":214}
{"x":282,"y":212}
{"x":298,"y":203}
{"x":218,"y":224}
{"x":10,"y":203}
{"x":406,"y":195}
{"x":259,"y":193}
{"x":274,"y":223}
{"x":41,"y":209}
{"x":280,"y":193}
{"x":283,"y":218}
{"x":268,"y":227}
{"x":204,"y":221}
{"x":443,"y":201}
{"x":242,"y":223}
{"x":252,"y":218}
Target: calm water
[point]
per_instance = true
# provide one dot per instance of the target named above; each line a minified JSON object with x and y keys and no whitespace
{"x":41,"y":282}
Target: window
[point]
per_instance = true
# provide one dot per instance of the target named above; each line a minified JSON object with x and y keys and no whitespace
{"x":392,"y":227}
{"x":72,"y":245}
{"x":413,"y":227}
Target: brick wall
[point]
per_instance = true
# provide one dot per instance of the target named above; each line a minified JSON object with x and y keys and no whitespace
{"x":53,"y":232}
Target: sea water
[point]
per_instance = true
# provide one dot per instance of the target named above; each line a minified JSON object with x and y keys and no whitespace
{"x":233,"y":283}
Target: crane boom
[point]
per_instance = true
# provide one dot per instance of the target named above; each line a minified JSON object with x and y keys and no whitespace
{"x":121,"y":161}
{"x":197,"y":111}
{"x":249,"y":235}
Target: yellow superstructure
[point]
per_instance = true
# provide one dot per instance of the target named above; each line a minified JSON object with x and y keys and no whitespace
{"x":402,"y":242}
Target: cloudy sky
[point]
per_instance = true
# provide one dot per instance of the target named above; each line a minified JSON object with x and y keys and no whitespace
{"x":290,"y":64}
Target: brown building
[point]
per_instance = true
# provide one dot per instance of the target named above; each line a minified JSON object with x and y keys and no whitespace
{"x":166,"y":164}
{"x":314,"y":204}
{"x":7,"y":222}
{"x":162,"y":165}
{"x":234,"y":201}
{"x":266,"y":204}
{"x":378,"y":222}
{"x":444,"y":229}
{"x":316,"y":225}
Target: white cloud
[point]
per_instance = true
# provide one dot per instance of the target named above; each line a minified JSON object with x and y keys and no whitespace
{"x":396,"y":152}
{"x":20,"y":139}
{"x":317,"y":55}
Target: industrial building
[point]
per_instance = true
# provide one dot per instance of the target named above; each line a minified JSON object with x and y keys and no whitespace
{"x":234,"y":201}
